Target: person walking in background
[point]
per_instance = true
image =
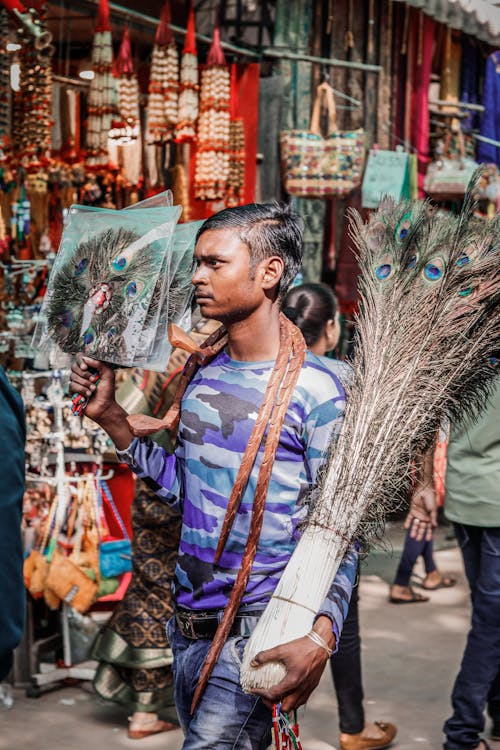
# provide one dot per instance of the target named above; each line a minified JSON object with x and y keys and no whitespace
{"x":313,"y":308}
{"x":12,"y":591}
{"x":417,"y":545}
{"x":472,"y":503}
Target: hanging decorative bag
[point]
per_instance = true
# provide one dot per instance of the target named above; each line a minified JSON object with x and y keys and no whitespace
{"x":75,"y":579}
{"x":448,"y":177}
{"x":115,"y":555}
{"x":315,"y":166}
{"x":70,"y":583}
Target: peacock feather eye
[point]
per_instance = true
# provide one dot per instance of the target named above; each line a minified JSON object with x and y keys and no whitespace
{"x":81,"y":267}
{"x":465,"y":292}
{"x":120,"y":263}
{"x":385,"y":268}
{"x":67,"y":318}
{"x":434,"y":269}
{"x":403,"y":227}
{"x":463,"y":260}
{"x":134,"y":289}
{"x":112,"y":332}
{"x":88,"y":336}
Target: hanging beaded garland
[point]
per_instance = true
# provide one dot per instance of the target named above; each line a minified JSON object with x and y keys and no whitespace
{"x":103,"y":93}
{"x":212,"y":159}
{"x":163,"y":91}
{"x":189,"y":86}
{"x":33,"y":102}
{"x":126,"y":129}
{"x":4,"y":75}
{"x":236,"y":179}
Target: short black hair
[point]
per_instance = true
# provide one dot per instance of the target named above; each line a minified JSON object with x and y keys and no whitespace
{"x":267,"y":229}
{"x":310,"y":306}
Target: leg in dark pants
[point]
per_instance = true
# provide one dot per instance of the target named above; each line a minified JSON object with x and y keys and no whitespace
{"x":477,"y":683}
{"x":411,"y":551}
{"x":346,"y":672}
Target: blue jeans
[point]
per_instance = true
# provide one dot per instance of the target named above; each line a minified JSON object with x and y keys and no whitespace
{"x":477,"y":685}
{"x":226,"y":717}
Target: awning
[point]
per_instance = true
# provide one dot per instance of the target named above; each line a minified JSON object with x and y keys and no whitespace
{"x":478,"y":18}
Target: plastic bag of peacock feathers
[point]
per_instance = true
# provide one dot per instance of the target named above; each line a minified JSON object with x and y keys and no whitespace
{"x":428,"y":337}
{"x":119,"y":279}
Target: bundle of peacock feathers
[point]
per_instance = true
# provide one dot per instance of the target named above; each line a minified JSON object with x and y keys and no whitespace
{"x":428,"y":334}
{"x":120,"y":278}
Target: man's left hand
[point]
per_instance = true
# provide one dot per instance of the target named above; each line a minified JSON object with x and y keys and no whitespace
{"x":304,"y":662}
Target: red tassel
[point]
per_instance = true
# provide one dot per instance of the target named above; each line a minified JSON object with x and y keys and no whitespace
{"x":216,"y":54}
{"x":124,"y":65}
{"x":103,"y":16}
{"x":164,"y":35}
{"x":190,"y":39}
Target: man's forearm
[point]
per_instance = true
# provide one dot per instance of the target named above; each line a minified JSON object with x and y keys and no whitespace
{"x":114,"y":423}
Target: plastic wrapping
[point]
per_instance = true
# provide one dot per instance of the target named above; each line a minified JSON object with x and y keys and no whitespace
{"x":118,"y":280}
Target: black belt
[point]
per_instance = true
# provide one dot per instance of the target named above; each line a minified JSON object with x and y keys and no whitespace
{"x":195,"y":625}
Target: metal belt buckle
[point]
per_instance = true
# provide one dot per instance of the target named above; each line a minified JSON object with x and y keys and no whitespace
{"x":187,"y":627}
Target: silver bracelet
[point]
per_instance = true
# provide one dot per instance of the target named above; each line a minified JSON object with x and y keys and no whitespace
{"x":318,"y":640}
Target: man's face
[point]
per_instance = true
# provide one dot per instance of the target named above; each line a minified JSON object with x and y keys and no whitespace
{"x":227,"y":288}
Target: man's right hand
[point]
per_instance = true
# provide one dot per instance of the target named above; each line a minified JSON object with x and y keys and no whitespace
{"x":102,"y":406}
{"x":85,"y":371}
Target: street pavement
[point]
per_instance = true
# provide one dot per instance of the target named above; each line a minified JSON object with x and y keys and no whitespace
{"x":410,"y":654}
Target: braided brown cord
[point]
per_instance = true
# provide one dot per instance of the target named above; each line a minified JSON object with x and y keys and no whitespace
{"x":291,"y":337}
{"x":142,"y":425}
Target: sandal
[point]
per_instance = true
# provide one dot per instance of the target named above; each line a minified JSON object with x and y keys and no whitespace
{"x":446,"y":582}
{"x":415,"y":598}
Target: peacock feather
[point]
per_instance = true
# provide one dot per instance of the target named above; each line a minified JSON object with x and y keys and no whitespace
{"x":428,"y":334}
{"x":95,"y":292}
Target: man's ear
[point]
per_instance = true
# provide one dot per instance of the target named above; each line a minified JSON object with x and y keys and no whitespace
{"x":272,"y":271}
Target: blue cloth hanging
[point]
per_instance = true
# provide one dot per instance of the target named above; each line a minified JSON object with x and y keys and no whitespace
{"x":490,"y":121}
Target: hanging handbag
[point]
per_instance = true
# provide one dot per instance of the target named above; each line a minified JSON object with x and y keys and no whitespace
{"x":315,"y":166}
{"x":447,"y":178}
{"x":115,"y":555}
{"x":70,"y":583}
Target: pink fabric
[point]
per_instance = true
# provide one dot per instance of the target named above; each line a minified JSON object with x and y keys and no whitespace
{"x":420,"y":96}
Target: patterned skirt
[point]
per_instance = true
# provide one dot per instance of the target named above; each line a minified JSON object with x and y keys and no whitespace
{"x":132,"y":649}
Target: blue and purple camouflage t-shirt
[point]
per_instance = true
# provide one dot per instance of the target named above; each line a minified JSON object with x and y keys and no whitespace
{"x":218,"y":413}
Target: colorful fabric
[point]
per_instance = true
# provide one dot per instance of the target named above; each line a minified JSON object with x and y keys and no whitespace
{"x":218,"y":413}
{"x":133,"y":649}
{"x":490,"y":121}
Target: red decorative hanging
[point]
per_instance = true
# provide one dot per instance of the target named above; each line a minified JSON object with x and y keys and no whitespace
{"x":212,"y":159}
{"x":163,"y":92}
{"x":103,"y":93}
{"x":127,"y":129}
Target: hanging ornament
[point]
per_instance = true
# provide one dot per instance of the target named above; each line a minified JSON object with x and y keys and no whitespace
{"x":127,"y":127}
{"x":103,"y":93}
{"x":4,"y":75}
{"x":236,"y":177}
{"x":212,"y":159}
{"x":189,"y":86}
{"x":163,"y":91}
{"x":32,"y":122}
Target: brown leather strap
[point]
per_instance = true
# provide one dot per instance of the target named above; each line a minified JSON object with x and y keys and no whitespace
{"x":142,"y":425}
{"x":291,"y":337}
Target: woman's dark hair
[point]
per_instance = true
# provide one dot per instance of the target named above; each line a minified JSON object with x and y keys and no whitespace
{"x":267,"y":229}
{"x":310,"y":307}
